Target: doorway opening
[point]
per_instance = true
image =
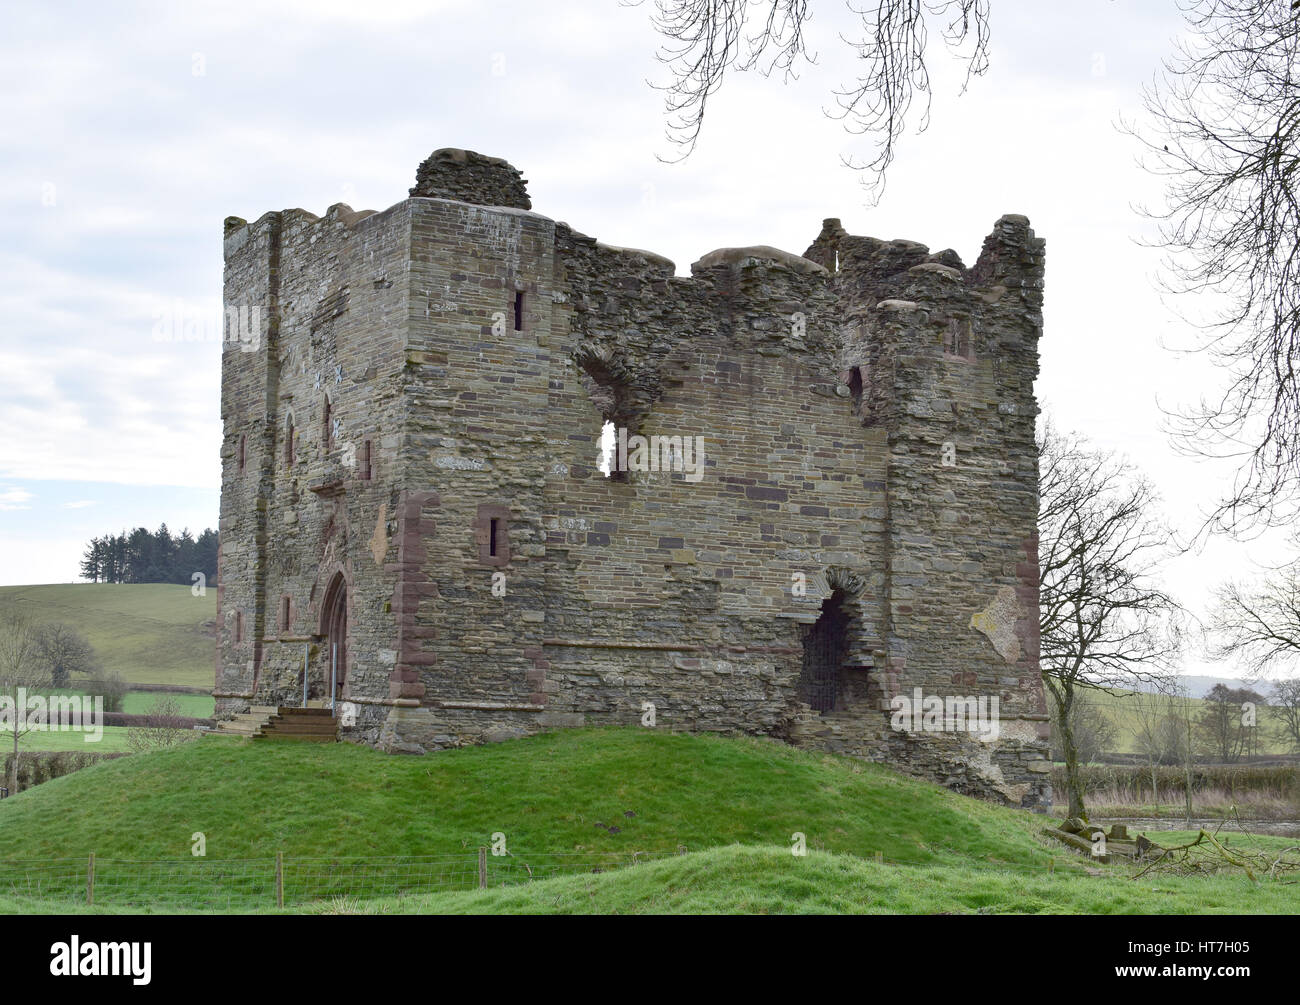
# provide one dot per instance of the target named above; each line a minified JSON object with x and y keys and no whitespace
{"x":334,"y":623}
{"x":825,"y":645}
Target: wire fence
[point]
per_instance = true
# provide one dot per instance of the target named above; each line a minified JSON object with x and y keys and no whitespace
{"x":258,"y":884}
{"x":251,"y":884}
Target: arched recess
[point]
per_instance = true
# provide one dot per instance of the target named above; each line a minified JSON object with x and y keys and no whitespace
{"x":615,"y":390}
{"x":334,"y":633}
{"x":825,"y":645}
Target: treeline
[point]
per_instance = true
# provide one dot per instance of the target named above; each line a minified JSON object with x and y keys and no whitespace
{"x":142,"y":556}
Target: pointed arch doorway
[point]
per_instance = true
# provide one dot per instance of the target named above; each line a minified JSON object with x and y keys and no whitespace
{"x":334,"y":628}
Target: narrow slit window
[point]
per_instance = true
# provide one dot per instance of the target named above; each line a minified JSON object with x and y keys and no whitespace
{"x":365,"y":460}
{"x":242,"y":440}
{"x":519,"y":311}
{"x":492,"y":534}
{"x":288,"y":442}
{"x":239,"y":626}
{"x":327,"y":436}
{"x":855,"y":389}
{"x":284,"y":614}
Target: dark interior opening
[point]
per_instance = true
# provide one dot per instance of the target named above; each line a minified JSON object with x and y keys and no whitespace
{"x":855,"y":389}
{"x":825,"y":645}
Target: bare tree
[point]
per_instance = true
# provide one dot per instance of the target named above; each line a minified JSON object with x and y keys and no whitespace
{"x":64,"y":650}
{"x":20,"y":670}
{"x":1286,"y":705}
{"x":1258,"y":625}
{"x":706,"y":38}
{"x":1226,"y":138}
{"x":1184,"y":713}
{"x":1228,"y":722}
{"x":1092,"y":728}
{"x":1104,"y":624}
{"x":1158,"y":732}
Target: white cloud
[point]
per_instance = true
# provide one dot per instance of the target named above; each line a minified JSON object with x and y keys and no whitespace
{"x":15,"y":499}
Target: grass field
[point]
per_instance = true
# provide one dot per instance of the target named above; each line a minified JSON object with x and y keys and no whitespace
{"x":114,"y":737}
{"x":1119,"y":709}
{"x":112,"y":742}
{"x":713,"y":815}
{"x":150,"y":633}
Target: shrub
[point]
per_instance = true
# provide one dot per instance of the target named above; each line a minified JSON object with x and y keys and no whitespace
{"x":113,"y":690}
{"x":164,"y":727}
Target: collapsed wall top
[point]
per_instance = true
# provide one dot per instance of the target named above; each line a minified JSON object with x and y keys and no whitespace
{"x":472,"y":177}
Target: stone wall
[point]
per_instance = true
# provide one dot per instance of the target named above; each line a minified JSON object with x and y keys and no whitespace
{"x":337,"y":290}
{"x":866,"y":415}
{"x":466,"y":176}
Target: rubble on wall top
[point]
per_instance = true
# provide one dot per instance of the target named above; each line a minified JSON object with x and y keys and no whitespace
{"x":649,"y":256}
{"x":758,"y":253}
{"x":468,"y":176}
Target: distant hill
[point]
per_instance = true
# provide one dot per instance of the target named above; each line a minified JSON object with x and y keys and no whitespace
{"x":150,"y":633}
{"x":1199,"y":686}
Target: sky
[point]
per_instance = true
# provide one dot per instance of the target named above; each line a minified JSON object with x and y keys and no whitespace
{"x":129,"y":131}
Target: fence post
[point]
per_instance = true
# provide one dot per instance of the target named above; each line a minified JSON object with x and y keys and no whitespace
{"x":90,"y":880}
{"x":482,"y":868}
{"x":279,"y":879}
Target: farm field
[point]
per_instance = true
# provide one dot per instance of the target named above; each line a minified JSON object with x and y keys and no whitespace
{"x":150,"y":633}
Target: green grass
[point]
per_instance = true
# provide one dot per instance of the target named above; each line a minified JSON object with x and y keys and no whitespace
{"x":199,"y":706}
{"x":747,"y":880}
{"x":545,"y":792}
{"x":731,"y":804}
{"x":742,"y":879}
{"x":114,"y":737}
{"x":150,"y":633}
{"x":112,"y":742}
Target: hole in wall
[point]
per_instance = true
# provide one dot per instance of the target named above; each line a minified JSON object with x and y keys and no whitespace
{"x":825,"y":646}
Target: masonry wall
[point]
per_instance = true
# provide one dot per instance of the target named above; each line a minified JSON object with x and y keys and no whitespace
{"x":337,"y":291}
{"x":948,"y":357}
{"x":867,"y":416}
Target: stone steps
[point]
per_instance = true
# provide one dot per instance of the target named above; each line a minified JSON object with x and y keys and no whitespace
{"x":314,"y":724}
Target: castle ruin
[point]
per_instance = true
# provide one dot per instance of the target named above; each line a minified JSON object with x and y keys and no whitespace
{"x":820,"y":505}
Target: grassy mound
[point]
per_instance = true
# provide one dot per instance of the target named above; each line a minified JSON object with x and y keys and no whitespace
{"x":709,"y":818}
{"x":546,"y":793}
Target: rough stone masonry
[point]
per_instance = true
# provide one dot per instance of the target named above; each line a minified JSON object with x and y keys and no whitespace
{"x":821,"y":509}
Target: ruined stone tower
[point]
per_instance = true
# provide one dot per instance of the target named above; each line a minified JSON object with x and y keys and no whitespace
{"x":821,"y":507}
